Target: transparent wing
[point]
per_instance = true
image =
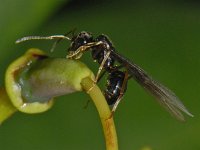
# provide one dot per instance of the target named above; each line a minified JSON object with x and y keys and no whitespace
{"x":162,"y":94}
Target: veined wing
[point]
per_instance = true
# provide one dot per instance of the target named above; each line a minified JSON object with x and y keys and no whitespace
{"x":163,"y":95}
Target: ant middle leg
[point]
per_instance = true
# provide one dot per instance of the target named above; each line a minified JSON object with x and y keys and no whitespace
{"x":101,"y":66}
{"x":100,"y":77}
{"x":99,"y":71}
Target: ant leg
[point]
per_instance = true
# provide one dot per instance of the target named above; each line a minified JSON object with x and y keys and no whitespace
{"x":78,"y":53}
{"x":88,"y":101}
{"x":99,"y":71}
{"x":101,"y":67}
{"x":126,"y":78}
{"x":81,"y":49}
{"x":101,"y":75}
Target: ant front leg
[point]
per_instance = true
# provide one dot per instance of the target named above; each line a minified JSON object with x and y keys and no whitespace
{"x":78,"y":53}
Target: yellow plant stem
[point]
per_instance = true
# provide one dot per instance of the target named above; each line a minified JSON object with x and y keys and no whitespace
{"x":104,"y":113}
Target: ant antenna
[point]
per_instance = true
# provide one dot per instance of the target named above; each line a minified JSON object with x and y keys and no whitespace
{"x":27,"y":38}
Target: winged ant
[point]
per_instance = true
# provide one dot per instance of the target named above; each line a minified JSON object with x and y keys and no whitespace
{"x":103,"y":52}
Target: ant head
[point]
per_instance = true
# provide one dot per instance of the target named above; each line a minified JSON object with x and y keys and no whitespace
{"x":80,"y":40}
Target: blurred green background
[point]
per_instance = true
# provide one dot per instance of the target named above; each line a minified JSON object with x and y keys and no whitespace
{"x":163,"y":37}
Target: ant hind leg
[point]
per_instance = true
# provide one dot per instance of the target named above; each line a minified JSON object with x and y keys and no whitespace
{"x":126,"y":78}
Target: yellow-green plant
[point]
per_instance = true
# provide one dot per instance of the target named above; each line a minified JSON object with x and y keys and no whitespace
{"x":34,"y":80}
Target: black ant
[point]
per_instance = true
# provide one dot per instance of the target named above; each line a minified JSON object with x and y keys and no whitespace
{"x":104,"y":53}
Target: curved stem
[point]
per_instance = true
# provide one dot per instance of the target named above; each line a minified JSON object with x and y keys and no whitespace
{"x":33,"y":80}
{"x":104,"y":113}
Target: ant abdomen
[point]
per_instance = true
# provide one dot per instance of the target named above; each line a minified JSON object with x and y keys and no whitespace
{"x":114,"y":85}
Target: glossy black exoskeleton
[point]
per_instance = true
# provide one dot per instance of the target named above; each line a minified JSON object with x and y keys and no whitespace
{"x":99,"y":52}
{"x":114,"y":86}
{"x":104,"y":53}
{"x":116,"y":78}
